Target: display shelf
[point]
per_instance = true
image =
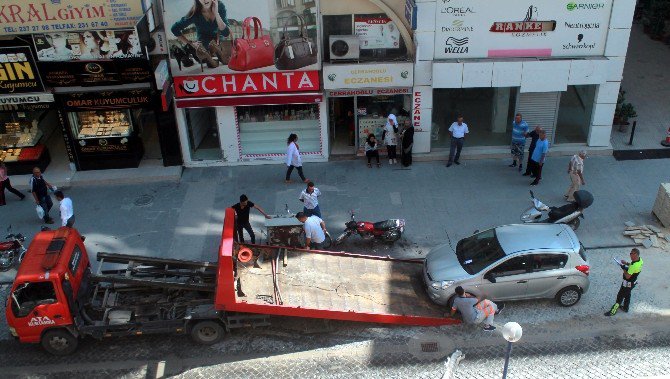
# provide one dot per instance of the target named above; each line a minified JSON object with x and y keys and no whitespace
{"x":101,"y":124}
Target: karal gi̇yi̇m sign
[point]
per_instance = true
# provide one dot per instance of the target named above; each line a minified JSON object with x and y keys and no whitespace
{"x":35,"y":16}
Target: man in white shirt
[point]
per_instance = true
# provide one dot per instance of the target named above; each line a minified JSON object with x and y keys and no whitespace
{"x":315,"y":231}
{"x":66,"y":209}
{"x":458,"y":130}
{"x":576,"y":172}
{"x":310,"y":196}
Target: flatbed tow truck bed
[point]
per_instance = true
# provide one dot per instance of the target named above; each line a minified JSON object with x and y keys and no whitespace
{"x":322,"y":284}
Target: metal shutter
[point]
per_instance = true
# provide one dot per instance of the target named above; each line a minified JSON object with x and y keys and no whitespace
{"x":540,"y":108}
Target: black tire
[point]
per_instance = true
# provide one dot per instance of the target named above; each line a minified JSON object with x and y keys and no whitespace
{"x":328,"y":242}
{"x":59,"y":342}
{"x":568,"y":296}
{"x":341,"y":238}
{"x":393,"y":236}
{"x":207,"y":332}
{"x":574,"y":224}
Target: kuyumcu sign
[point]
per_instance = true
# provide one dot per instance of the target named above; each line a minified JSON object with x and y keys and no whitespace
{"x":38,"y":16}
{"x":521,"y":28}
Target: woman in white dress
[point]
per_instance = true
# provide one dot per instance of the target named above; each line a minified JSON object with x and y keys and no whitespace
{"x":390,"y":137}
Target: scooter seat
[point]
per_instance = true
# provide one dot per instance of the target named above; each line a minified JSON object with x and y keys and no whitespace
{"x":562,"y":211}
{"x":385,"y":225}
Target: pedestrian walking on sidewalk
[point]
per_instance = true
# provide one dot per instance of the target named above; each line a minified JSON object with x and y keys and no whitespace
{"x":474,"y":310}
{"x":407,"y":145}
{"x":630,"y":272}
{"x":315,"y":231}
{"x":390,"y":137}
{"x":538,"y":157}
{"x":293,"y":159}
{"x":310,"y":197}
{"x":576,"y":172}
{"x":66,"y":209}
{"x":519,"y":132}
{"x":534,"y":135}
{"x":242,"y":211}
{"x":371,"y":151}
{"x":39,"y":187}
{"x":458,"y":130}
{"x":5,"y":184}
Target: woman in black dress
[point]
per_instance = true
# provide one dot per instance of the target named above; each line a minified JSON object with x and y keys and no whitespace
{"x":407,"y":144}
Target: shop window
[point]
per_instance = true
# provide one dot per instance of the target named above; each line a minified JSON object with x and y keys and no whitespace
{"x":372,"y":112}
{"x":264,"y":129}
{"x":574,"y":114}
{"x":487,"y":111}
{"x":380,"y":38}
{"x":203,"y":136}
{"x":21,"y":129}
{"x":101,"y":124}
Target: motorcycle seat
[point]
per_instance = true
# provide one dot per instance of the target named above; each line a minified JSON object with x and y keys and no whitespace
{"x":385,"y":225}
{"x":562,"y":211}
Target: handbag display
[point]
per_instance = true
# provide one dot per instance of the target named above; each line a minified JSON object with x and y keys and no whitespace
{"x":251,"y":52}
{"x":295,"y":53}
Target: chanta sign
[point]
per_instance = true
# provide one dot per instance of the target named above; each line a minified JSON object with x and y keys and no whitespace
{"x":246,"y":84}
{"x":37,"y":16}
{"x":519,"y":28}
{"x":18,"y":72}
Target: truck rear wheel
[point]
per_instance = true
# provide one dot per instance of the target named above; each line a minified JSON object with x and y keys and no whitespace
{"x":59,"y":342}
{"x":207,"y":332}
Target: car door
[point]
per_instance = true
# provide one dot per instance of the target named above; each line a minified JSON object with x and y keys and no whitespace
{"x":507,"y":280}
{"x":548,"y":274}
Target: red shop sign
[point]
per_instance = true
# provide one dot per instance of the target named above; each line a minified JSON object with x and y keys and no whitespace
{"x":236,"y":84}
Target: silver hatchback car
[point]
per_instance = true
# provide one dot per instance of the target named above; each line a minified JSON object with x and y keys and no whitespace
{"x":511,"y":262}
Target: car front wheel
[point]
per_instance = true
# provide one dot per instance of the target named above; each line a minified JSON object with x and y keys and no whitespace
{"x":569,"y":296}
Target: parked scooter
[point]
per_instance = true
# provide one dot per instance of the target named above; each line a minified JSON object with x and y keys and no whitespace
{"x":387,"y":231}
{"x":11,"y":250}
{"x":566,"y":214}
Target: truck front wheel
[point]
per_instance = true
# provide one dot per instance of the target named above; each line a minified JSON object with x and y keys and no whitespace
{"x":207,"y":332}
{"x":59,"y":342}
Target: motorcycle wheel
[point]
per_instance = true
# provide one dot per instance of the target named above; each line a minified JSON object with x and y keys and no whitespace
{"x":328,"y":242}
{"x":574,"y":224}
{"x":341,"y":238}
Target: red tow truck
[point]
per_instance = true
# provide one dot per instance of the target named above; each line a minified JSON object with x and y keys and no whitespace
{"x":56,"y":299}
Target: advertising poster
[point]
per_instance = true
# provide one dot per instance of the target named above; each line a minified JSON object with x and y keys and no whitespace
{"x":44,"y":16}
{"x":96,"y":73}
{"x":18,"y":71}
{"x":88,"y":45}
{"x":376,"y":32}
{"x":213,"y":43}
{"x":521,"y":28}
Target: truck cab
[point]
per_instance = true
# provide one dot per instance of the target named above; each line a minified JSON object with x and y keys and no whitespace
{"x":43,"y":301}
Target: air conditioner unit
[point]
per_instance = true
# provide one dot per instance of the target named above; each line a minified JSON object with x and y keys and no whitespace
{"x":344,"y":47}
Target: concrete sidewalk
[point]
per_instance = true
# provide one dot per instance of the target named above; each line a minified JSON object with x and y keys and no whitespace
{"x":183,"y":219}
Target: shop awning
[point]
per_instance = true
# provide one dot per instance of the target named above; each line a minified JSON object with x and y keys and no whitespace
{"x":227,"y":101}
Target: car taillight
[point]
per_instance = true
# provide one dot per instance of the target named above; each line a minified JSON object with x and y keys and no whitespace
{"x":583,"y":268}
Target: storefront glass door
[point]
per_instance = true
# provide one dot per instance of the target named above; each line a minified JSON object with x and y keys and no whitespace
{"x":203,"y":136}
{"x":342,"y":121}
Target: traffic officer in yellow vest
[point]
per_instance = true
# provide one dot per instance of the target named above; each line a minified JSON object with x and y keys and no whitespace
{"x":630,"y":272}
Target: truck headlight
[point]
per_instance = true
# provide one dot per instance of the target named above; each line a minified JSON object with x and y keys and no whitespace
{"x":442,"y":285}
{"x":13,"y":331}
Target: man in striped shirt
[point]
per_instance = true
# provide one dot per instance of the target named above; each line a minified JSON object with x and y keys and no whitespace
{"x":576,"y":172}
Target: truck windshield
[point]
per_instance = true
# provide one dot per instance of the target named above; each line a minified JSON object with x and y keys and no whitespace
{"x":479,"y":251}
{"x":29,"y":295}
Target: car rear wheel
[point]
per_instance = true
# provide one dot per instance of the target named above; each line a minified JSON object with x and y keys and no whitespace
{"x":568,"y":296}
{"x":207,"y":332}
{"x":59,"y":342}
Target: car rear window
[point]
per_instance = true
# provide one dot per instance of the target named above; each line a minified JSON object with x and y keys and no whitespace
{"x":582,"y":252}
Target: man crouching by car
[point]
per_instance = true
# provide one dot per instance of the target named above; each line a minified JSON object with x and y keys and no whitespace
{"x":474,"y":310}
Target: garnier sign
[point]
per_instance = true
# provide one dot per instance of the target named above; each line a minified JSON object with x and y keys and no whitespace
{"x":34,"y":16}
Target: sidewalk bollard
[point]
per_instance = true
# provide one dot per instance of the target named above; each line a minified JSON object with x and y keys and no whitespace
{"x":632,"y":133}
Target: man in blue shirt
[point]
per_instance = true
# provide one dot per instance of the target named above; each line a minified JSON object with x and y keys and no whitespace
{"x":539,"y":154}
{"x":519,"y":132}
